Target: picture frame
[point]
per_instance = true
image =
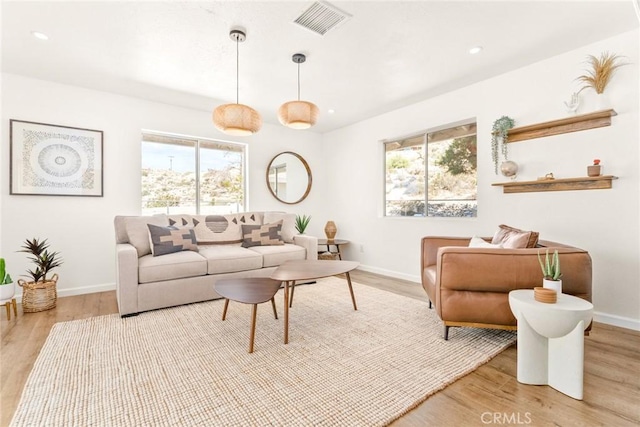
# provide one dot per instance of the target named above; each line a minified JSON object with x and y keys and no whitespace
{"x":55,"y":160}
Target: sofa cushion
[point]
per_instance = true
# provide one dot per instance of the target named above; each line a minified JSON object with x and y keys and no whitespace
{"x":288,"y":224}
{"x":275,"y":255}
{"x":138,"y":231}
{"x":167,"y":240}
{"x":262,"y":235}
{"x":514,"y":238}
{"x":230,"y":258}
{"x":178,"y":265}
{"x":479,"y":242}
{"x":223,"y":229}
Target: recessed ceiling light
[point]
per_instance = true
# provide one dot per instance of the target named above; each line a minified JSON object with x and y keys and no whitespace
{"x":39,"y":35}
{"x":331,"y":111}
{"x":476,"y":49}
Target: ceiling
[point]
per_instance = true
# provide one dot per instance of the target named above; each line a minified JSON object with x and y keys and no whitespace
{"x":388,"y":55}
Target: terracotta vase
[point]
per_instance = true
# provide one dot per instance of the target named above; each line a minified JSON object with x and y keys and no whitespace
{"x":594,"y":170}
{"x":330,"y":230}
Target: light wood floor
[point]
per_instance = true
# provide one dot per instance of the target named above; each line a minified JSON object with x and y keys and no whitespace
{"x":490,"y":395}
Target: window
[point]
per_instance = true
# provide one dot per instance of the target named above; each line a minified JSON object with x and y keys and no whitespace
{"x":432,"y":174}
{"x":192,"y":175}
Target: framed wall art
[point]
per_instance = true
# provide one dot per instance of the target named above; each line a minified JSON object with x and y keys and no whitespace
{"x":55,"y":160}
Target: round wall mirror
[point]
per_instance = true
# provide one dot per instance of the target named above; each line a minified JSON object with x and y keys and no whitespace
{"x":289,"y":177}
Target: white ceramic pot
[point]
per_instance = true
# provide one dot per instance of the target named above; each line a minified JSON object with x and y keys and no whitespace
{"x":7,"y":291}
{"x":556,"y":285}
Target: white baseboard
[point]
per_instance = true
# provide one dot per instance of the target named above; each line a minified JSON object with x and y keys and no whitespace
{"x":613,"y":320}
{"x":80,"y":290}
{"x":389,"y":273}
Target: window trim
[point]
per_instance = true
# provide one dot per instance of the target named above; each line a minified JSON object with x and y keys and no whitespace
{"x":181,"y":138}
{"x":425,"y":136}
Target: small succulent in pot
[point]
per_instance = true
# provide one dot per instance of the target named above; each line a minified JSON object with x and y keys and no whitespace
{"x":595,"y":169}
{"x":5,"y":278}
{"x":302,"y":222}
{"x":551,"y":266}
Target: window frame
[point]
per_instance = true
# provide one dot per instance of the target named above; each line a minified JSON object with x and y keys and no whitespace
{"x":424,"y":134}
{"x":152,"y":136}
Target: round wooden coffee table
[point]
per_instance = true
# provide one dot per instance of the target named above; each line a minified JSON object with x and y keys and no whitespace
{"x":252,"y":291}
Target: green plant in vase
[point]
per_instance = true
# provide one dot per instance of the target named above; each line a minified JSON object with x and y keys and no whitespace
{"x":551,"y":266}
{"x":499,"y":139}
{"x":302,"y":222}
{"x":44,"y":259}
{"x":5,"y":278}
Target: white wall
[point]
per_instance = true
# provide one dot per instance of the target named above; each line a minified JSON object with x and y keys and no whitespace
{"x":604,"y":222}
{"x":81,"y":228}
{"x":347,"y":168}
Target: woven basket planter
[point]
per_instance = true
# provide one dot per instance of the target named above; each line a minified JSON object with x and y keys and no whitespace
{"x":328,"y":256}
{"x":39,"y":296}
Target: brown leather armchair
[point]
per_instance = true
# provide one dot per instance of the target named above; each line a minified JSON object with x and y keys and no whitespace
{"x":470,"y":286}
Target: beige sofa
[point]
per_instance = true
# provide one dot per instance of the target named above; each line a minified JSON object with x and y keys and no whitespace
{"x":147,"y":282}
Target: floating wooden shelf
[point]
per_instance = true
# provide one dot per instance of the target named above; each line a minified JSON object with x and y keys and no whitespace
{"x":576,"y":123}
{"x":564,"y":184}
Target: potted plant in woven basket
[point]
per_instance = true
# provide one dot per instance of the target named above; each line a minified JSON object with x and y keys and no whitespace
{"x":40,"y":293}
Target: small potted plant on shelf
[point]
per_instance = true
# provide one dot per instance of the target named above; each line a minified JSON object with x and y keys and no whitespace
{"x":499,"y":139}
{"x":302,"y":222}
{"x":7,"y":287}
{"x":40,"y":293}
{"x":595,"y":169}
{"x":551,"y":271}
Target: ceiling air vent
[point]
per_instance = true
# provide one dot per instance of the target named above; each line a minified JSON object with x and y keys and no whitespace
{"x":320,"y":17}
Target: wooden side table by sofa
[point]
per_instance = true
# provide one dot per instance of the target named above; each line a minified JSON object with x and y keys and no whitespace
{"x":335,"y":242}
{"x":551,"y":340}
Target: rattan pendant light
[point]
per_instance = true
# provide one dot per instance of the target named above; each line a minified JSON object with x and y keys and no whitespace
{"x":237,"y":119}
{"x":298,"y":114}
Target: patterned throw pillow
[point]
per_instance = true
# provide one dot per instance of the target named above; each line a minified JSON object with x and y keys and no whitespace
{"x":222,"y":229}
{"x":262,"y":235}
{"x":167,"y":240}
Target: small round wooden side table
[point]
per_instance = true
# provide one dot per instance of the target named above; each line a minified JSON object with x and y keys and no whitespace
{"x":335,"y":242}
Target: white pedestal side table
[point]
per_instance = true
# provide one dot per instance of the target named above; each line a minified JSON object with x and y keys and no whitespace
{"x":551,"y":340}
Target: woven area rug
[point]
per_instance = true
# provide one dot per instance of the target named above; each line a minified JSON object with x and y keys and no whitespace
{"x":185,"y":366}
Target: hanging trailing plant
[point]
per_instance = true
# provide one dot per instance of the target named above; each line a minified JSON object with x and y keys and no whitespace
{"x":500,"y":136}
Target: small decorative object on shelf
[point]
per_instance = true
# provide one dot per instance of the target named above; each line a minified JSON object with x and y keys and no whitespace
{"x":40,"y":294}
{"x":547,"y":177}
{"x":595,"y":169}
{"x":551,"y":271}
{"x":499,"y":139}
{"x":330,"y":230}
{"x":573,"y":104}
{"x":302,"y":222}
{"x":509,"y":169}
{"x":545,"y":295}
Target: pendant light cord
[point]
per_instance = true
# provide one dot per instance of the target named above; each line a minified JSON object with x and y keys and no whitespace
{"x":237,"y":70}
{"x":298,"y":81}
